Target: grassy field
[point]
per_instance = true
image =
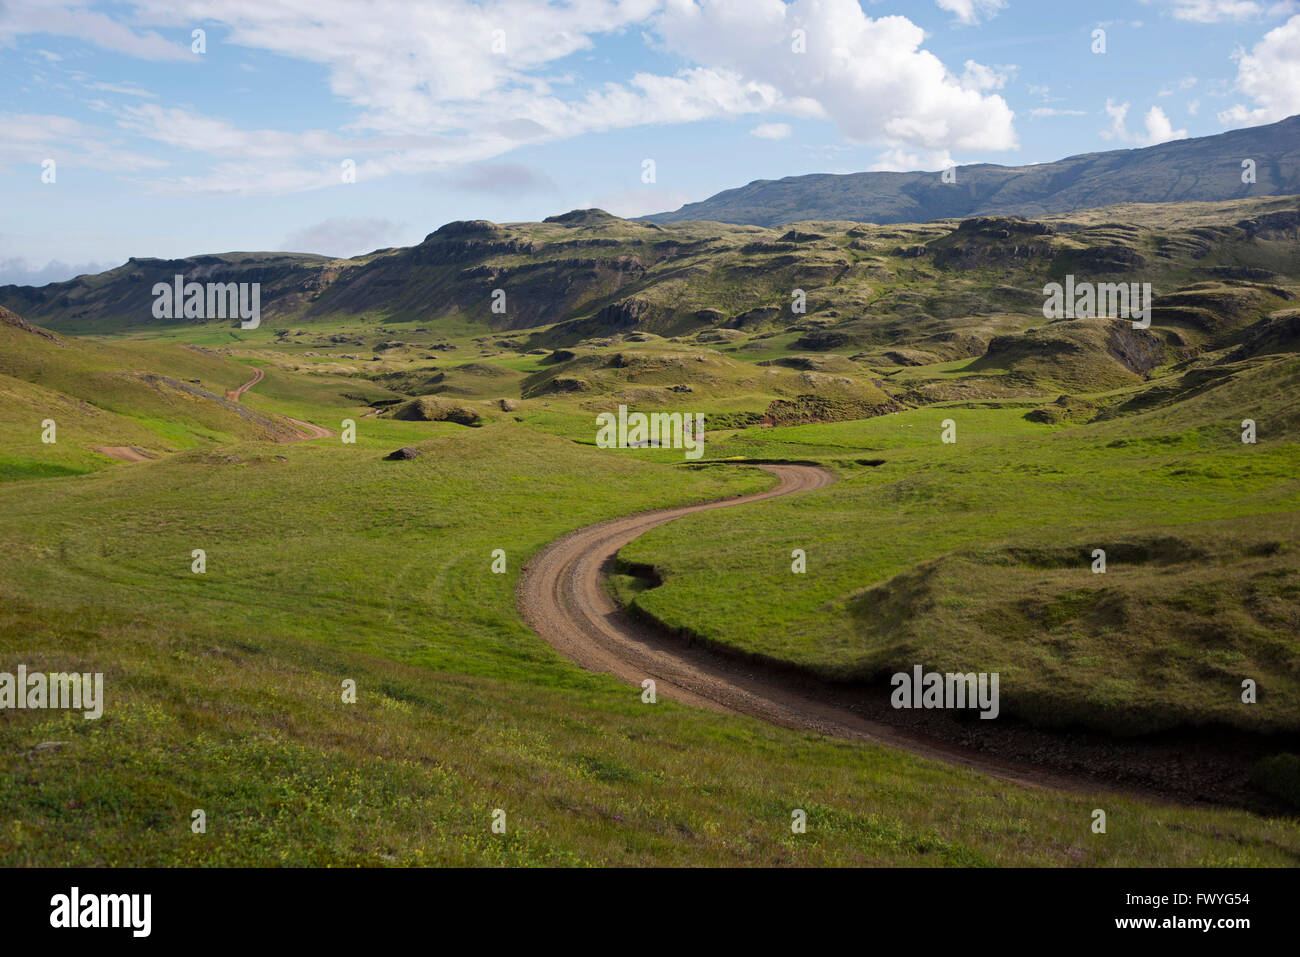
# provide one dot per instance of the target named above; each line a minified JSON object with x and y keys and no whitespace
{"x":224,"y":692}
{"x":325,"y":563}
{"x":977,"y":556}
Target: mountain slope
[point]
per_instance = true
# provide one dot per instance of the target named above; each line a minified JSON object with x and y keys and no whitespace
{"x":590,"y":275}
{"x":1203,"y":169}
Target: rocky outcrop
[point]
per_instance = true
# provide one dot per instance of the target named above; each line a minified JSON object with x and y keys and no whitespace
{"x":622,"y":315}
{"x":1138,"y":350}
{"x":13,"y":319}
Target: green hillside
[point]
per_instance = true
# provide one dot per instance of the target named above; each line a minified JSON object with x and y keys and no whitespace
{"x":155,"y":398}
{"x":329,"y":560}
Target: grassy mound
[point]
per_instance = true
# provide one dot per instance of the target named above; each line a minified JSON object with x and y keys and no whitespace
{"x":429,"y":408}
{"x":1162,"y":639}
{"x":1078,"y":354}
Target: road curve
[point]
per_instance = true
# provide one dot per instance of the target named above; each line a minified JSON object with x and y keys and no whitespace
{"x":234,"y":395}
{"x":305,"y":429}
{"x":562,"y":595}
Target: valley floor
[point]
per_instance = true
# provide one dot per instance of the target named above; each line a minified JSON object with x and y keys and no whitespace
{"x":326,"y":564}
{"x":363,"y":582}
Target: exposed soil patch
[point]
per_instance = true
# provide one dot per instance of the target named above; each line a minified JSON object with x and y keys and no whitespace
{"x":126,"y":453}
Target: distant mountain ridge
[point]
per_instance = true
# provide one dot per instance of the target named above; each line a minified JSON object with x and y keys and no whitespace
{"x":1204,"y":169}
{"x":588,"y":274}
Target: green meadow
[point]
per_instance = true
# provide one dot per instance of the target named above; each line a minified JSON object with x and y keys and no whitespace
{"x":978,"y":556}
{"x":324,"y":564}
{"x":224,"y":689}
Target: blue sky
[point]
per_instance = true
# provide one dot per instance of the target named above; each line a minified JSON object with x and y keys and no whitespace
{"x":515,"y":110}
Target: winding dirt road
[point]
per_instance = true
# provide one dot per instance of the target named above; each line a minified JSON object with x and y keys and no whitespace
{"x":234,"y":395}
{"x":305,"y":429}
{"x":562,"y":595}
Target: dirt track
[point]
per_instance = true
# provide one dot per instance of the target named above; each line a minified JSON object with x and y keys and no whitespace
{"x":305,"y":429}
{"x":563,"y":597}
{"x":234,"y":395}
{"x":125,"y":453}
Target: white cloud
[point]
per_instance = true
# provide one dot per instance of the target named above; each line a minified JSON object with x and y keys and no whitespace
{"x":344,"y":236}
{"x":972,"y":11}
{"x":196,"y":132}
{"x":1215,"y":11}
{"x":900,"y":161}
{"x":771,"y":131}
{"x":125,"y":89}
{"x":1270,"y":76}
{"x":33,"y":138}
{"x":503,"y":179}
{"x":977,"y":76}
{"x":1117,"y":113}
{"x":415,"y":68}
{"x":870,"y":77}
{"x":1158,"y":127}
{"x":430,"y":93}
{"x":72,"y":18}
{"x":1052,"y":111}
{"x":22,"y":272}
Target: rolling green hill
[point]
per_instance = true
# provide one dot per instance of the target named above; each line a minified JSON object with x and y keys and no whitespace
{"x":327,"y":561}
{"x":152,"y":398}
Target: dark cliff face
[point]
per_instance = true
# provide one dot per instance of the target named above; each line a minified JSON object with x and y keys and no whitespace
{"x":1285,"y":225}
{"x":986,"y":241}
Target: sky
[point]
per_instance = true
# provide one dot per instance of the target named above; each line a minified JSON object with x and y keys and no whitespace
{"x":172,"y":128}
